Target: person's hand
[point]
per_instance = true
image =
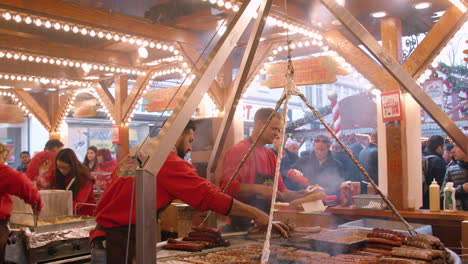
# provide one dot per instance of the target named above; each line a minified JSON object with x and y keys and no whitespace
{"x":465,"y":187}
{"x":260,"y":218}
{"x":298,"y":177}
{"x":267,"y":192}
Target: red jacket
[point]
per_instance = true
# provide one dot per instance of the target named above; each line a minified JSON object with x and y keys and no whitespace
{"x":15,"y":183}
{"x":41,"y":170}
{"x":103,"y":179}
{"x":177,"y":179}
{"x":85,"y":195}
{"x":266,"y":163}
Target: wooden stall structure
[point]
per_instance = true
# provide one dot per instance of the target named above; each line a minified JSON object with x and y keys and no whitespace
{"x":52,"y":50}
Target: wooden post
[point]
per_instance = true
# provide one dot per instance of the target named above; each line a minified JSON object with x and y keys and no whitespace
{"x":54,"y":115}
{"x":121,"y":92}
{"x":391,"y":31}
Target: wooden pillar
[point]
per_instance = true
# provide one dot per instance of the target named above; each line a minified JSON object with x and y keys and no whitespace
{"x":121,"y":92}
{"x":54,"y":114}
{"x":391,"y":31}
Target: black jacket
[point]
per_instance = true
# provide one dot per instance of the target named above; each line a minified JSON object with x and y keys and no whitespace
{"x":458,"y":174}
{"x":370,"y":161}
{"x":329,"y":174}
{"x":435,"y":170}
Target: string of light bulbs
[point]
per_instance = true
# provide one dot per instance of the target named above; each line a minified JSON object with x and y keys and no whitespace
{"x":272,"y":20}
{"x":93,"y":32}
{"x":16,"y":101}
{"x":86,"y":66}
{"x":43,"y":80}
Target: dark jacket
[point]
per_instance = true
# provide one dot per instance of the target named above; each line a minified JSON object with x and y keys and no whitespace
{"x":370,"y":161}
{"x":350,"y":170}
{"x":329,"y":174}
{"x":289,"y":159}
{"x":436,"y":169}
{"x":458,"y":174}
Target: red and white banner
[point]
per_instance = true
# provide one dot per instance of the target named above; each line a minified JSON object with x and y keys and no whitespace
{"x":391,"y":106}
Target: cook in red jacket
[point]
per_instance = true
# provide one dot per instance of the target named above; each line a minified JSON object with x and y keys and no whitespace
{"x":13,"y":183}
{"x":41,"y":169}
{"x":71,"y":174}
{"x":177,"y":179}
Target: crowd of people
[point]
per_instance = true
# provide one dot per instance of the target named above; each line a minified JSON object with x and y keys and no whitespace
{"x":248,"y":194}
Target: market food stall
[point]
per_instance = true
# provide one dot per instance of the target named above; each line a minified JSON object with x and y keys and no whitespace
{"x":176,"y":56}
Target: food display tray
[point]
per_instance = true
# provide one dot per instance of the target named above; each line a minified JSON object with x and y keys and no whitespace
{"x":339,"y":241}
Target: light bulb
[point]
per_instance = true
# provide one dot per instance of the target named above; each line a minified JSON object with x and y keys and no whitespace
{"x":7,"y":16}
{"x":109,"y":36}
{"x":100,"y":34}
{"x":92,"y":33}
{"x":38,"y":22}
{"x":18,"y":18}
{"x":57,"y":26}
{"x":75,"y":29}
{"x":235,"y":8}
{"x":28,"y":20}
{"x":47,"y":24}
{"x":84,"y":31}
{"x":66,"y":28}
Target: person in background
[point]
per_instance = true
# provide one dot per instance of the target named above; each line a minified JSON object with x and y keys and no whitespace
{"x":435,"y":165}
{"x":350,"y":170}
{"x":90,"y":160}
{"x":320,"y":167}
{"x":369,"y":158}
{"x":104,"y":168}
{"x":71,"y":175}
{"x":177,"y":179}
{"x":13,"y":183}
{"x":448,"y":155}
{"x":41,"y":169}
{"x":25,"y":160}
{"x":458,"y":174}
{"x":290,"y":157}
{"x":253,"y":184}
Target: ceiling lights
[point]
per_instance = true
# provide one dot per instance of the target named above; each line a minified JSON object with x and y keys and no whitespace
{"x":86,"y":66}
{"x":379,"y":14}
{"x":43,"y":80}
{"x":94,"y":32}
{"x":16,"y":101}
{"x":422,"y":5}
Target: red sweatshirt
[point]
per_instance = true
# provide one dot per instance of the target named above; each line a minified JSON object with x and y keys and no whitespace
{"x":15,"y":183}
{"x":177,"y":179}
{"x":85,"y":195}
{"x":266,"y":164}
{"x":41,"y":169}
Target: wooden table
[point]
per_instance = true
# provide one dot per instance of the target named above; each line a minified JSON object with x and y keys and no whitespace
{"x":448,"y":226}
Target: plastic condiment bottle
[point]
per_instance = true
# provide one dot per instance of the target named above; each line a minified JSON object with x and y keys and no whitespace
{"x":449,"y":197}
{"x":434,"y":196}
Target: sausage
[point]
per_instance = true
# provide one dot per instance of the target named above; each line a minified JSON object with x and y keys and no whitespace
{"x":187,"y":247}
{"x":396,"y":233}
{"x":383,"y":241}
{"x":385,"y":236}
{"x":282,"y":232}
{"x":206,"y":239}
{"x":393,"y":260}
{"x":378,"y":251}
{"x":204,"y":234}
{"x":205,"y":229}
{"x":379,"y":246}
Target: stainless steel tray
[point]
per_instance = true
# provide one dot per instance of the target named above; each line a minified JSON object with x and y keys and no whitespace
{"x":339,"y":241}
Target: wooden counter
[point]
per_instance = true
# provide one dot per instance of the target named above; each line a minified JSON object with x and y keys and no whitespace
{"x":445,"y":225}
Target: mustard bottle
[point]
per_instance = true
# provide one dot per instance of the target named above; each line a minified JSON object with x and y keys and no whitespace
{"x":434,"y":196}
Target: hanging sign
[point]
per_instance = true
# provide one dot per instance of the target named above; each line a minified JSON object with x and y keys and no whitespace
{"x":434,"y":87}
{"x":157,"y":100}
{"x":391,"y":106}
{"x":116,"y":134}
{"x":316,"y":70}
{"x":86,"y":108}
{"x":11,"y":114}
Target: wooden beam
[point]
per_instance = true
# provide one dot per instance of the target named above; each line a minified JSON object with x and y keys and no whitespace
{"x":59,"y":109}
{"x":34,"y":107}
{"x":104,"y":19}
{"x":216,"y":92}
{"x":43,"y":46}
{"x":391,"y":32}
{"x":121,"y":93}
{"x":437,"y":38}
{"x":106,"y":97}
{"x":39,"y":70}
{"x":135,"y":94}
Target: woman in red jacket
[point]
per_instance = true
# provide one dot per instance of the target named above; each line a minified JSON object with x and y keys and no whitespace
{"x":105,"y":167}
{"x":13,"y":183}
{"x":71,"y":174}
